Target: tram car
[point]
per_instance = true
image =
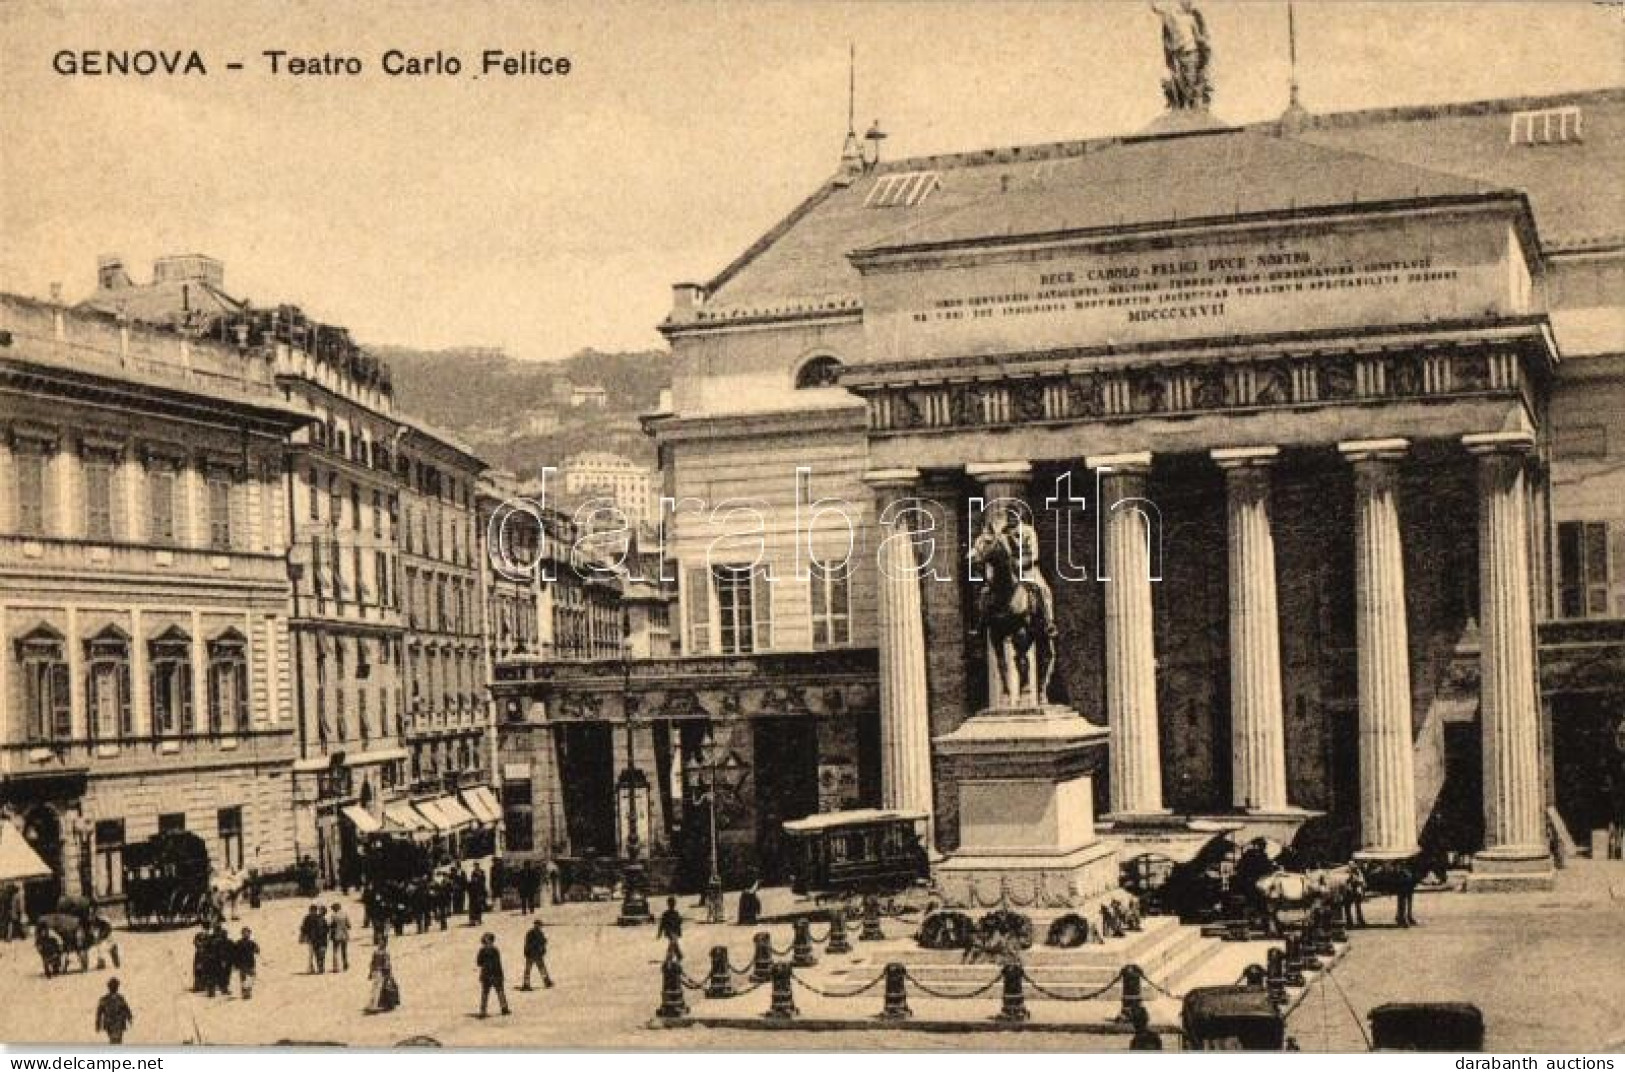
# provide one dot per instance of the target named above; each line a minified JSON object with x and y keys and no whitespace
{"x":865,"y":851}
{"x":166,"y":880}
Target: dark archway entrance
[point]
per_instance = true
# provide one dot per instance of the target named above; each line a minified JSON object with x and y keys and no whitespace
{"x":42,"y":829}
{"x":587,"y":760}
{"x":786,"y":762}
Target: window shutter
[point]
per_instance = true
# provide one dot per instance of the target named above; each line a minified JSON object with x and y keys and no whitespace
{"x":697,"y":598}
{"x":761,"y":610}
{"x":61,"y":709}
{"x":183,"y":671}
{"x":126,"y":721}
{"x":216,"y":716}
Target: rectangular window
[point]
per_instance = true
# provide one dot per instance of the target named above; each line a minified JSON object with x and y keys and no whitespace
{"x":1591,"y":569}
{"x":378,"y":514}
{"x":831,"y":610}
{"x":220,"y":511}
{"x":161,"y":487}
{"x":736,"y":609}
{"x":361,"y":591}
{"x":99,"y":498}
{"x":30,"y":465}
{"x":109,"y":878}
{"x":380,"y":566}
{"x":173,"y":822}
{"x":171,"y":673}
{"x":697,"y":601}
{"x":312,"y":490}
{"x":355,"y":507}
{"x":230,"y":823}
{"x":47,"y":714}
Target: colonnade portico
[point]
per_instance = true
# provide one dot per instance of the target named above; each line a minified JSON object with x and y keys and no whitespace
{"x":1513,"y":794}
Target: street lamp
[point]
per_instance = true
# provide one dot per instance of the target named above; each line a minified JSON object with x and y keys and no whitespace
{"x":632,"y":788}
{"x":713,"y":763}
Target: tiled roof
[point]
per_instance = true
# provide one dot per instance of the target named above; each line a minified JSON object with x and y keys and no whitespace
{"x":1161,"y":180}
{"x":800,"y":267}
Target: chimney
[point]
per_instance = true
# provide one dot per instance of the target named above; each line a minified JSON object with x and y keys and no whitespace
{"x":110,"y":273}
{"x":686,"y":298}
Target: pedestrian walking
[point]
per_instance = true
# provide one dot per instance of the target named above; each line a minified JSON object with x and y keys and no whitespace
{"x":49,"y":947}
{"x":386,"y":993}
{"x":113,"y":1015}
{"x":313,"y":933}
{"x":338,"y":934}
{"x":489,"y":962}
{"x":459,"y":891}
{"x":555,"y":882}
{"x":1144,"y":1038}
{"x":201,"y":942}
{"x":750,"y":905}
{"x":247,"y":955}
{"x":477,"y":894}
{"x":221,"y":954}
{"x":536,"y":954}
{"x":670,"y":928}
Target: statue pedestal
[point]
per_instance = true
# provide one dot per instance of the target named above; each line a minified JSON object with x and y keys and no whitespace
{"x":1026,"y":812}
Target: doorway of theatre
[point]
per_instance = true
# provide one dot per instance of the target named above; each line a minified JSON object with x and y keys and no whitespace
{"x":786,"y":763}
{"x":587,"y":756}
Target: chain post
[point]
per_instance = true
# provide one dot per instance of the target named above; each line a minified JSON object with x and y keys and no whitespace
{"x":896,"y":1007}
{"x":801,"y":951}
{"x":783,"y":1005}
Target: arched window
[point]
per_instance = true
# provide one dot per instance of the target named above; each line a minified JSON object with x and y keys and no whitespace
{"x":170,"y":673}
{"x":43,"y":672}
{"x":107,"y":685}
{"x":821,"y":371}
{"x":228,"y":683}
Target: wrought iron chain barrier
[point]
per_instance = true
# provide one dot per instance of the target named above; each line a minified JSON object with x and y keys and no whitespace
{"x":993,"y":982}
{"x":864,"y":989}
{"x":1057,"y":996}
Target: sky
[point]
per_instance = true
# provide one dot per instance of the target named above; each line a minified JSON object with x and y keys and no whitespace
{"x":545,"y":215}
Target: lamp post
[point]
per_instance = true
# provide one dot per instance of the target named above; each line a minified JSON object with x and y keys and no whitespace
{"x":632,"y":787}
{"x":712,"y":762}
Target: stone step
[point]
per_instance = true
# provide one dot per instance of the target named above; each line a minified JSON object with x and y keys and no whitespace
{"x":1170,"y":950}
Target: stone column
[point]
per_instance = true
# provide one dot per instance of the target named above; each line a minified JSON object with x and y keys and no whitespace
{"x":1387,"y":773}
{"x":1257,"y":736}
{"x":8,"y":484}
{"x":1514,"y":799}
{"x":1131,"y":655}
{"x":905,"y":717}
{"x":1003,"y":481}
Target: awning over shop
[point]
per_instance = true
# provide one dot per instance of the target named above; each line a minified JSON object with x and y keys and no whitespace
{"x":362,"y":819}
{"x":453,"y":809}
{"x":407,"y":819}
{"x":483,"y":803}
{"x":430,"y":810}
{"x":18,"y":860}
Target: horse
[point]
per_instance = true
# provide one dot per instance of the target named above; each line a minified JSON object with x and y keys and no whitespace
{"x":225,"y":888}
{"x":1342,"y":890}
{"x":1013,"y":620}
{"x":1286,"y":891}
{"x":76,"y":934}
{"x":1398,"y":877}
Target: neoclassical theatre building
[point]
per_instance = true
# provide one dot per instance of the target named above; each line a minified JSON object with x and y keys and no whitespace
{"x":1354,"y":383}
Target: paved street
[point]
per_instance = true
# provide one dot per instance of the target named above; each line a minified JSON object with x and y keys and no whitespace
{"x":1544,"y":967}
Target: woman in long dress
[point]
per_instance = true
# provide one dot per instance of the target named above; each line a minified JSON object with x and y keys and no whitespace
{"x":386,"y":995}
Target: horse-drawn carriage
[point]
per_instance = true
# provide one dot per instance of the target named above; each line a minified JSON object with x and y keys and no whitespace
{"x":1231,"y":1018}
{"x":166,"y":880}
{"x":867,"y":851}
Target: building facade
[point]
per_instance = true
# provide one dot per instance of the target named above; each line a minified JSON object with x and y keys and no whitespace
{"x":147,"y":677}
{"x":598,"y":474}
{"x":1317,"y":457}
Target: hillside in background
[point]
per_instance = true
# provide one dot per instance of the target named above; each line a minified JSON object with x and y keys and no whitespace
{"x":517,"y":414}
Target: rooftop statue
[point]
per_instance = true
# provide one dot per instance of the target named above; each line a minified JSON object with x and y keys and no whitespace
{"x":1188,"y":54}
